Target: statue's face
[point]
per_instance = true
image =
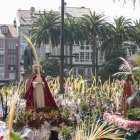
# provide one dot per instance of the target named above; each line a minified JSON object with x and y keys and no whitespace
{"x":37,"y":71}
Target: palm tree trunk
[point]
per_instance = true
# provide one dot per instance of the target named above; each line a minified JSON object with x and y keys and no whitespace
{"x":66,"y":58}
{"x":71,"y":58}
{"x":96,"y":59}
{"x":93,"y":55}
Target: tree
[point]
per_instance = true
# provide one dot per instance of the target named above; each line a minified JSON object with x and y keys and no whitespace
{"x":73,"y":33}
{"x":46,"y":29}
{"x":50,"y":68}
{"x":135,"y":33}
{"x":94,"y":25}
{"x":112,"y":65}
{"x":113,"y":44}
{"x":118,"y":33}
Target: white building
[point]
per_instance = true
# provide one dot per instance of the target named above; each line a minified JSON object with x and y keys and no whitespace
{"x":82,"y":64}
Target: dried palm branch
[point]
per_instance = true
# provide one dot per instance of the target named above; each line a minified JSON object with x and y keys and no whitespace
{"x":12,"y":111}
{"x":86,"y":131}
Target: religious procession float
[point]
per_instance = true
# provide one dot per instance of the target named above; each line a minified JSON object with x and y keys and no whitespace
{"x":35,"y":110}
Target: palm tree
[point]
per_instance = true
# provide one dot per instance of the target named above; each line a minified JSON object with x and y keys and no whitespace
{"x":73,"y":34}
{"x":118,"y":33}
{"x":135,"y":33}
{"x":46,"y":29}
{"x":95,"y":25}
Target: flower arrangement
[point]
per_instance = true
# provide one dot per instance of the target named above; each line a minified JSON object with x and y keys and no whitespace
{"x":36,"y":119}
{"x":121,"y":122}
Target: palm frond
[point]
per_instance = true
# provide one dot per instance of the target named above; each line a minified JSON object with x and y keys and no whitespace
{"x":94,"y":131}
{"x":120,"y":74}
{"x":127,"y":64}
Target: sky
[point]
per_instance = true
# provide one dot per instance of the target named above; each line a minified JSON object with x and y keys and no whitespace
{"x":8,"y":8}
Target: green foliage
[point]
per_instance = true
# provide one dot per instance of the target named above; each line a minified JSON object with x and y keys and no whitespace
{"x":136,"y":72}
{"x":66,"y":133}
{"x":134,"y":114}
{"x":84,"y":107}
{"x":16,"y":137}
{"x":113,"y":63}
{"x":137,"y":60}
{"x":46,"y":28}
{"x":51,"y":67}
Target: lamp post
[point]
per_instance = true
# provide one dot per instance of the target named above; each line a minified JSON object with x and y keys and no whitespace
{"x":61,"y":56}
{"x":62,"y":50}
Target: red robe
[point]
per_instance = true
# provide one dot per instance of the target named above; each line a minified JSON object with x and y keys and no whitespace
{"x":49,"y":100}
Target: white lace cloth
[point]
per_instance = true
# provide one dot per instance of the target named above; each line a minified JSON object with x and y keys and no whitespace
{"x":28,"y":133}
{"x":2,"y":128}
{"x":1,"y":111}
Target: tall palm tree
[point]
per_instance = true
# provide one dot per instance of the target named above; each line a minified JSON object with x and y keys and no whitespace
{"x":135,"y":33}
{"x":73,"y":33}
{"x":113,"y":44}
{"x":118,"y":33}
{"x":95,"y":25}
{"x":46,"y":29}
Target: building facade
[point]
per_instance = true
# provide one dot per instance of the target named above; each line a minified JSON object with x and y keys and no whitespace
{"x":82,"y":64}
{"x":9,"y":53}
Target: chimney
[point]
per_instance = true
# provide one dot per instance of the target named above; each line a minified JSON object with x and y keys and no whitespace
{"x":82,"y":7}
{"x":15,"y":23}
{"x":32,"y":11}
{"x":65,"y":7}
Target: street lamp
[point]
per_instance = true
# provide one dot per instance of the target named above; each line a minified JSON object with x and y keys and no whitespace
{"x":61,"y":56}
{"x":62,"y":50}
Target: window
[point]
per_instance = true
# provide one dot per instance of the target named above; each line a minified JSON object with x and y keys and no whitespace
{"x":12,"y":61}
{"x":87,"y":47}
{"x":24,"y":31}
{"x":87,"y":57}
{"x":81,"y":56}
{"x":77,"y":58}
{"x":1,"y":60}
{"x":101,"y":57}
{"x":12,"y":47}
{"x":27,"y":18}
{"x":91,"y":56}
{"x":4,"y":29}
{"x":1,"y":45}
{"x":82,"y":47}
{"x":2,"y":72}
{"x":89,"y":73}
{"x":12,"y":76}
{"x":81,"y":72}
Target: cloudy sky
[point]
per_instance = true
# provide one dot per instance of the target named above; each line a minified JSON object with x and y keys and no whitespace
{"x":8,"y":8}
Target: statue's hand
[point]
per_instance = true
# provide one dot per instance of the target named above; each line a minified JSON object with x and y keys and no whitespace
{"x":37,"y":83}
{"x":34,"y":84}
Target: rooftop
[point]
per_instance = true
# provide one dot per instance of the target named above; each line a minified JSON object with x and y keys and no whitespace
{"x":77,"y":12}
{"x":12,"y":31}
{"x":24,"y":16}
